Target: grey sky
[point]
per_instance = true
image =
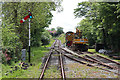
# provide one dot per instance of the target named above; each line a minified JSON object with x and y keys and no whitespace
{"x":66,"y":19}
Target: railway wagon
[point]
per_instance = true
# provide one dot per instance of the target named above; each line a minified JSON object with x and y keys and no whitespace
{"x":75,"y":41}
{"x":69,"y":38}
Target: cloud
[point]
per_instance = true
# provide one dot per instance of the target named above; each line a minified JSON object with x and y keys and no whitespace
{"x":66,"y":19}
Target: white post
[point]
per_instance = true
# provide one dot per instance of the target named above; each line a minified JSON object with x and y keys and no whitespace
{"x":29,"y":31}
{"x":29,"y":39}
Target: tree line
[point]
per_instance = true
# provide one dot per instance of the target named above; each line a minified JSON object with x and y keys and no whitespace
{"x":101,"y":23}
{"x":15,"y":34}
{"x":56,"y":33}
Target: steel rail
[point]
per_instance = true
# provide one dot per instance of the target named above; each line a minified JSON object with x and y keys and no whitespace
{"x":109,"y":59}
{"x":92,"y":58}
{"x":87,"y":53}
{"x":89,"y":64}
{"x":46,"y":63}
{"x":105,"y":58}
{"x":101,"y":63}
{"x":52,"y":47}
{"x":61,"y":61}
{"x":60,"y":58}
{"x":90,"y":52}
{"x":62,"y":67}
{"x":45,"y":66}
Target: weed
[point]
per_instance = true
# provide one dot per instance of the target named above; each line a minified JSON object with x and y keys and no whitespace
{"x":33,"y":71}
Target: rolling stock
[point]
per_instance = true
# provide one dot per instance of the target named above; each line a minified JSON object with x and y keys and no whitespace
{"x":75,"y":40}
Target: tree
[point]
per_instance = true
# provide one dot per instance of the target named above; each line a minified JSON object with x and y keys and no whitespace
{"x":55,"y":33}
{"x":42,"y":17}
{"x":88,"y":31}
{"x":52,"y":29}
{"x":11,"y":42}
{"x":45,"y":38}
{"x":14,"y":33}
{"x":59,"y":31}
{"x":104,"y":18}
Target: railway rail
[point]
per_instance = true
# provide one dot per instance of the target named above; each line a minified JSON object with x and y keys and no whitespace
{"x":46,"y":63}
{"x":56,"y":45}
{"x":88,"y":60}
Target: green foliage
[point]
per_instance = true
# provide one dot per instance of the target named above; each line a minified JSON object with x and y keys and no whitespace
{"x":52,"y":29}
{"x":42,"y":16}
{"x":88,"y":31}
{"x":15,"y":34}
{"x":10,"y":41}
{"x":37,"y":54}
{"x":62,"y":38}
{"x":59,"y":31}
{"x":55,"y":33}
{"x":101,"y":23}
{"x":82,"y":9}
{"x":45,"y":38}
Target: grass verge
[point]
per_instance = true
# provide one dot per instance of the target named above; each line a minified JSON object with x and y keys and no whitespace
{"x":62,"y":38}
{"x":32,"y":72}
{"x":37,"y":53}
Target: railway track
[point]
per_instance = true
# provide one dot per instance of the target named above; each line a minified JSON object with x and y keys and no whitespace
{"x":61,"y":62}
{"x":104,"y":61}
{"x":56,"y":45}
{"x":95,"y":60}
{"x":99,"y":59}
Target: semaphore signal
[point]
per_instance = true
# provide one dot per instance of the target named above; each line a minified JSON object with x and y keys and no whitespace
{"x":30,"y":15}
{"x":23,"y":20}
{"x":26,"y":17}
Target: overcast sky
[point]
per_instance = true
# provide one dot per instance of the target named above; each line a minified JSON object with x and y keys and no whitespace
{"x":66,"y":19}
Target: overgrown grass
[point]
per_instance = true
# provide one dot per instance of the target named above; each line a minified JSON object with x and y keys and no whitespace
{"x":51,"y":42}
{"x":52,"y":72}
{"x":33,"y":71}
{"x":62,"y":38}
{"x":91,"y":50}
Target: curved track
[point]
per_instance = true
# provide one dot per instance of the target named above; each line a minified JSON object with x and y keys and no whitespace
{"x":86,"y":60}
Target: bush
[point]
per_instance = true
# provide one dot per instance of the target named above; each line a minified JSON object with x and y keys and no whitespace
{"x":11,"y":42}
{"x":45,"y":38}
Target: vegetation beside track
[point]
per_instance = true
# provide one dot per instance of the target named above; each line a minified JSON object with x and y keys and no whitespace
{"x":33,"y":71}
{"x":93,"y":50}
{"x":36,"y":58}
{"x":101,"y":23}
{"x":62,"y":38}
